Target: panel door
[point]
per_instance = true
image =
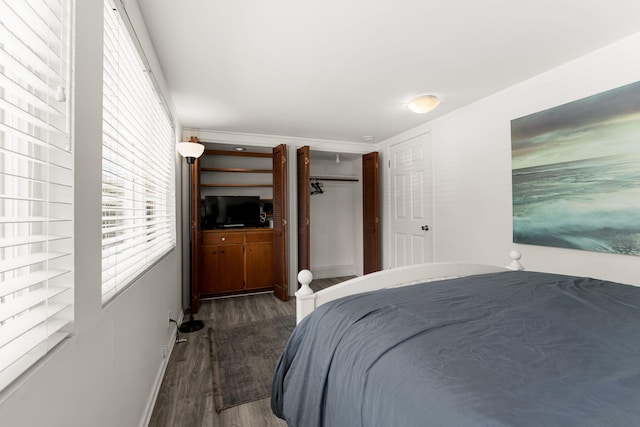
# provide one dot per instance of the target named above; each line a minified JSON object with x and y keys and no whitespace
{"x":259,"y":265}
{"x":371,"y":213}
{"x":280,"y":289}
{"x":411,"y":213}
{"x":230,"y":268}
{"x":304,"y":208}
{"x":208,"y":269}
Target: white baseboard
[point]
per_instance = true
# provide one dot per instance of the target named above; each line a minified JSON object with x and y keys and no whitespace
{"x":333,"y":271}
{"x":158,"y":382}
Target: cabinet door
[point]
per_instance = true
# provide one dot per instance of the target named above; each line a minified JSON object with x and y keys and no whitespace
{"x":230,"y":268}
{"x":208,"y":268}
{"x":259,"y":265}
{"x":304,"y":208}
{"x":371,"y":212}
{"x":281,"y":287}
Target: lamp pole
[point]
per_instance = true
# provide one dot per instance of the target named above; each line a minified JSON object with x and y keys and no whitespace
{"x":191,"y":151}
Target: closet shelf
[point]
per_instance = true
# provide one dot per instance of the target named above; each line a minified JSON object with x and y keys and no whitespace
{"x":238,"y":153}
{"x":237,"y":185}
{"x":335,"y":178}
{"x":242,"y":170}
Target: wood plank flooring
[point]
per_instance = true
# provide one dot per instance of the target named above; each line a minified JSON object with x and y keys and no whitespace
{"x":185,"y":398}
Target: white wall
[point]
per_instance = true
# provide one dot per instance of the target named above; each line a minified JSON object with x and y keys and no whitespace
{"x":472,"y":167}
{"x":107,"y":372}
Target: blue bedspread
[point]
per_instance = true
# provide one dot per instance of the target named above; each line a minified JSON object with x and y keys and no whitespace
{"x":502,"y":349}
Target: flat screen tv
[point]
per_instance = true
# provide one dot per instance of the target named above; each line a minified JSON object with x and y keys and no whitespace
{"x":230,"y":211}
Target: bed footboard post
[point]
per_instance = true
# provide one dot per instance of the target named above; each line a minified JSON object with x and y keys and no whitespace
{"x":305,"y":298}
{"x":515,"y":261}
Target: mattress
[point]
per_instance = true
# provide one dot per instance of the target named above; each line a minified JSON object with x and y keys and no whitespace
{"x":501,"y":349}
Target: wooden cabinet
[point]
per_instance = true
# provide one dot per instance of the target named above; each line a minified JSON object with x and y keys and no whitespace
{"x":230,"y":261}
{"x":222,"y":269}
{"x":259,"y":260}
{"x":234,"y":261}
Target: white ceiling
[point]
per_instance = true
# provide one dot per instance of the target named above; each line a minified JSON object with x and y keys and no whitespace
{"x":343,"y":69}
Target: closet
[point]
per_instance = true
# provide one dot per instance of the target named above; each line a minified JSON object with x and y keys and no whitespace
{"x":229,"y":256}
{"x":338,"y":213}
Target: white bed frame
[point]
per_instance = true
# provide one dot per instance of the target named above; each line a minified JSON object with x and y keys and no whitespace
{"x":307,"y":300}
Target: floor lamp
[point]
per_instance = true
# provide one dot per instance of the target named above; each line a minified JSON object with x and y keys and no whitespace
{"x":191,"y":151}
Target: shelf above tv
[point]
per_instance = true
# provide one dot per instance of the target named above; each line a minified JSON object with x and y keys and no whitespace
{"x":232,"y":169}
{"x":241,"y":170}
{"x":237,"y":153}
{"x":237,"y":185}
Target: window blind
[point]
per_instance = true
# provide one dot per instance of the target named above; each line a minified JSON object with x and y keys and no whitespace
{"x":138,"y":163}
{"x":36,"y":183}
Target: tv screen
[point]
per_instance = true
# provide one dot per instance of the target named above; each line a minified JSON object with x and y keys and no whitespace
{"x":231,"y":211}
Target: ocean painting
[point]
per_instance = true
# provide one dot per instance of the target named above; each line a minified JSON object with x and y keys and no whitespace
{"x":576,"y":174}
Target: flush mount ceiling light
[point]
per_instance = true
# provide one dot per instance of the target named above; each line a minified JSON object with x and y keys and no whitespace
{"x":423,"y":104}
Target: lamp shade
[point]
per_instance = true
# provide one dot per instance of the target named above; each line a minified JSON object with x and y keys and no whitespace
{"x":190,"y":149}
{"x":423,"y":104}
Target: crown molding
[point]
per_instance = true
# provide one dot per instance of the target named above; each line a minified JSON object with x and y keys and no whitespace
{"x":262,"y":140}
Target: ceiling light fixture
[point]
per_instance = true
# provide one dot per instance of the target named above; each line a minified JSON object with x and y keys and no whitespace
{"x":423,"y":104}
{"x":240,"y":149}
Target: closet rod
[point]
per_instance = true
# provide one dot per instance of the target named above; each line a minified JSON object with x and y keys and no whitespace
{"x":335,"y":178}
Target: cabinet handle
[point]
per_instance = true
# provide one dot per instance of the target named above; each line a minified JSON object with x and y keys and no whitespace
{"x":221,"y":252}
{"x":223,"y":239}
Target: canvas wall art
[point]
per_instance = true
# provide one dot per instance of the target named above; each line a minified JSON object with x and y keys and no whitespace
{"x":576,"y":174}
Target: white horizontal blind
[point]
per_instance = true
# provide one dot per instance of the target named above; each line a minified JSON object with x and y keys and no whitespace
{"x":138,"y":163}
{"x":36,"y":179}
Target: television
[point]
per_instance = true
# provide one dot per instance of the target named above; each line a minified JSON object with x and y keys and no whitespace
{"x":230,"y":211}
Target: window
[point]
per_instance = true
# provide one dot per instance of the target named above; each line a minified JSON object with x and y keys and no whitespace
{"x":36,"y":183}
{"x":138,"y":163}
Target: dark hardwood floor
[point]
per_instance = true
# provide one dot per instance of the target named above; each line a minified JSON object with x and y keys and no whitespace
{"x":185,"y":398}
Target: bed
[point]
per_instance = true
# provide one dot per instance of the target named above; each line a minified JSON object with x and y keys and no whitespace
{"x":463,"y":345}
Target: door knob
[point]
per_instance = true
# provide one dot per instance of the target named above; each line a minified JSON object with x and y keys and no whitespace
{"x":425,"y":228}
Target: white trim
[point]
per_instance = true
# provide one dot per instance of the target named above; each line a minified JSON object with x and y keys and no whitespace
{"x":262,"y":140}
{"x":151,"y":402}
